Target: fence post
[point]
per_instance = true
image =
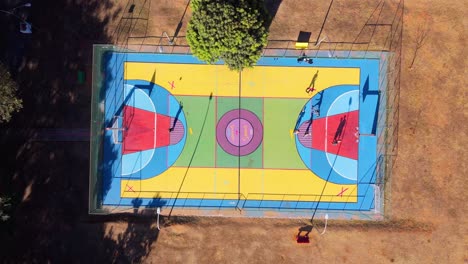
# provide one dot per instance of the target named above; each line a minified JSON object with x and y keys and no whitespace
{"x":286,"y":50}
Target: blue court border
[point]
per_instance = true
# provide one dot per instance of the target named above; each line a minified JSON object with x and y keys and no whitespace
{"x":368,"y":102}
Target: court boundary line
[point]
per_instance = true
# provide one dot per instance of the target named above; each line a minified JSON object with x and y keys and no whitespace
{"x":261,"y":63}
{"x":263,"y":99}
{"x":168,"y":100}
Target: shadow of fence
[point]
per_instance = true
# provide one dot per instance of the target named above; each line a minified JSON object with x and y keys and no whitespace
{"x":182,"y":200}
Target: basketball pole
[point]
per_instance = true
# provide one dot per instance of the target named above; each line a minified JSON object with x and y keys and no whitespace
{"x":168,"y":38}
{"x":325,"y":228}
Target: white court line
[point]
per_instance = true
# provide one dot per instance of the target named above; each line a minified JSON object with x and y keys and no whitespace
{"x":155,"y":121}
{"x":326,"y":133}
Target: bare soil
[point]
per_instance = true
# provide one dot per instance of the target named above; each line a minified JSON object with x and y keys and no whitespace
{"x":426,"y":222}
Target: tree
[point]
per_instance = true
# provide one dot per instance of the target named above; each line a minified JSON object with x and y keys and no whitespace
{"x":421,"y":35}
{"x":234,"y":31}
{"x":9,"y":103}
{"x":5,"y":204}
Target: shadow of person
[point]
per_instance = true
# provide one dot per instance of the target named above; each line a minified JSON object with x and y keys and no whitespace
{"x":339,"y":131}
{"x":311,"y":86}
{"x":314,"y":79}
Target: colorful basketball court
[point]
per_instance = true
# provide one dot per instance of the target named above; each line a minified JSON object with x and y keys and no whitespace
{"x":186,"y":134}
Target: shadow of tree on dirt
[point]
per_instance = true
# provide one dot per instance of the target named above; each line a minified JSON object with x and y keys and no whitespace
{"x":134,"y":244}
{"x":272,"y":7}
{"x":49,"y":180}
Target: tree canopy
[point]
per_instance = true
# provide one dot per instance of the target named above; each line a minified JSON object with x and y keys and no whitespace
{"x":9,"y":103}
{"x":5,"y":204}
{"x":231,"y":30}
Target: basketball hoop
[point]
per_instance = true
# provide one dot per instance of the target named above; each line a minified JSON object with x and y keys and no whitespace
{"x":116,"y":128}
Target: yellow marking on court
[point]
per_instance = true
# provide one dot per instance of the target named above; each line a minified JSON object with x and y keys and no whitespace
{"x":303,"y":185}
{"x":291,"y":132}
{"x":190,"y":130}
{"x":202,"y":80}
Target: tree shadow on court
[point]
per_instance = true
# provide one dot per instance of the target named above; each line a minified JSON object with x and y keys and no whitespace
{"x":48,"y":180}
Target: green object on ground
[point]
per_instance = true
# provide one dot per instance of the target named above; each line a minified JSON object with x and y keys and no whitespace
{"x":81,"y":77}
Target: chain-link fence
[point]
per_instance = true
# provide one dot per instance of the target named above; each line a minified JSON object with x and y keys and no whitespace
{"x":97,"y":127}
{"x":384,"y":43}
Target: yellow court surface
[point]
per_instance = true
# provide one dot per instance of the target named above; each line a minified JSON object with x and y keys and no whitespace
{"x":294,"y":185}
{"x":261,"y":81}
{"x":276,"y":82}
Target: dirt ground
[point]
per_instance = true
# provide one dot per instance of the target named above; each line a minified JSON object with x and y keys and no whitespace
{"x":427,"y":221}
{"x":427,"y":180}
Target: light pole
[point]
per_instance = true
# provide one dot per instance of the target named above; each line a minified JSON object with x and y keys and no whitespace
{"x":158,"y":211}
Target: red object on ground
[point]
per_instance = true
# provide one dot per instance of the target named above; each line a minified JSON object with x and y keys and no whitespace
{"x":140,"y":132}
{"x":302,"y":239}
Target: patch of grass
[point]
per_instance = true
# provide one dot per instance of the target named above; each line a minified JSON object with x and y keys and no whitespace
{"x":179,"y":220}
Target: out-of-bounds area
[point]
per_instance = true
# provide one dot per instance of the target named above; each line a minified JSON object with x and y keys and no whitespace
{"x":380,"y":136}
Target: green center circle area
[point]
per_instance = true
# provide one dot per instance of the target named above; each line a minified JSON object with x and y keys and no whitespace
{"x":277,"y":149}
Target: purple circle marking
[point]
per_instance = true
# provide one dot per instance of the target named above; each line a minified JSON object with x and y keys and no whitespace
{"x":239,"y":132}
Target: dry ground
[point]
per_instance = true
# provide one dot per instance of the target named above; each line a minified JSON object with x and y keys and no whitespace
{"x":428,"y":181}
{"x":428,"y":212}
